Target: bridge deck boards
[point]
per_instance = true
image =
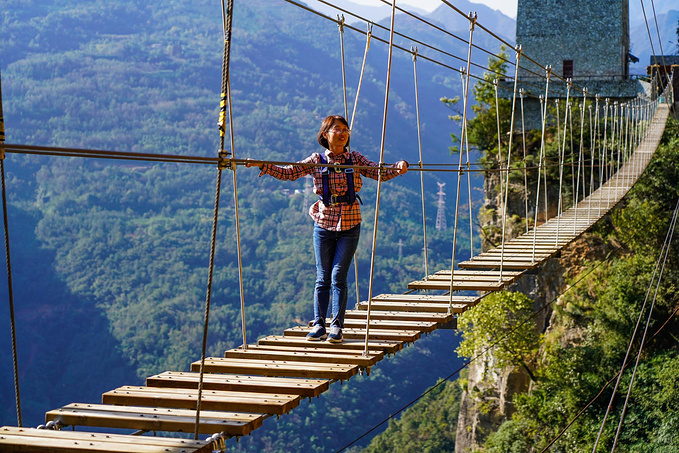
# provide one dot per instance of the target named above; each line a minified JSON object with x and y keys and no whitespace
{"x":156,"y":419}
{"x":240,"y":383}
{"x":359,"y":334}
{"x":387,"y":346}
{"x":31,"y":440}
{"x":217,"y":400}
{"x":271,"y":377}
{"x":437,"y":318}
{"x":274,"y":368}
{"x":302,"y":356}
{"x":390,"y":324}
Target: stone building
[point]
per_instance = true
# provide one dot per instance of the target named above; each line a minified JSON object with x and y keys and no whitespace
{"x":584,"y":40}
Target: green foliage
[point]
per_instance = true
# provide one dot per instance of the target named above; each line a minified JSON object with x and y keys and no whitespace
{"x":501,"y":321}
{"x":590,"y":334}
{"x":428,"y":426}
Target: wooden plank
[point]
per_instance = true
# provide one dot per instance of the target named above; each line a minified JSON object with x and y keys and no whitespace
{"x":400,"y":315}
{"x":156,"y":419}
{"x":240,"y":383}
{"x":440,"y":284}
{"x":357,"y":334}
{"x":389,"y":347}
{"x":516,"y":255}
{"x":476,"y":275}
{"x":316,"y":370}
{"x":415,"y":306}
{"x":30,"y":440}
{"x":481,"y":264}
{"x":316,"y":350}
{"x":386,"y":324}
{"x":264,"y":403}
{"x":301,"y":356}
{"x":426,"y":298}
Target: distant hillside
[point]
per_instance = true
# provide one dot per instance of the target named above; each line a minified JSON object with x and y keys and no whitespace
{"x":110,"y":258}
{"x":668,"y":22}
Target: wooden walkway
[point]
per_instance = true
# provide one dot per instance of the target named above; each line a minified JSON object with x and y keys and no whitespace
{"x":272,"y":377}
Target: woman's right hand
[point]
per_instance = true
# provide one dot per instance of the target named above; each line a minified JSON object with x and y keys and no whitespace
{"x":250,"y":163}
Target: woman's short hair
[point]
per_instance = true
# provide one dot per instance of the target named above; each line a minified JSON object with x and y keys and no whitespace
{"x":325,"y":127}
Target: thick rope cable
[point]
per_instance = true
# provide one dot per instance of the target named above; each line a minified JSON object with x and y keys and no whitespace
{"x":419,"y":148}
{"x":227,"y":18}
{"x":671,"y":230}
{"x":379,"y":179}
{"x":472,"y":23}
{"x":396,"y":46}
{"x":453,"y":35}
{"x":8,"y":261}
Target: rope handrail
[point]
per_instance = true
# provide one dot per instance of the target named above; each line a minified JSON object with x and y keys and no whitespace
{"x":177,"y":158}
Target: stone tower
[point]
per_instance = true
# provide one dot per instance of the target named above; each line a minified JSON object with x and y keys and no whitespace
{"x":585,"y":40}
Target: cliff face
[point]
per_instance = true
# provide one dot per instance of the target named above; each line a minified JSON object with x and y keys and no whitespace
{"x":487,"y":401}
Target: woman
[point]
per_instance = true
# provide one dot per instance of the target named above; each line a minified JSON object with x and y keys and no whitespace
{"x":337,"y":217}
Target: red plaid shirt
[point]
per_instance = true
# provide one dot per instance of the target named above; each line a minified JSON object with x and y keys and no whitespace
{"x":342,"y":216}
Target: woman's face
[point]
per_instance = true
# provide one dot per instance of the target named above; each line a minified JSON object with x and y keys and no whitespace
{"x":337,"y":136}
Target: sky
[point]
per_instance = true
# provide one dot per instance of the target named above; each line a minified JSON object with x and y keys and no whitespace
{"x":506,"y":6}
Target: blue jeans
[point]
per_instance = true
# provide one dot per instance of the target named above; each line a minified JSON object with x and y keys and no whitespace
{"x":334,"y":251}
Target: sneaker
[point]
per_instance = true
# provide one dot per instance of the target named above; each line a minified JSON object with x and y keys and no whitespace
{"x":317,"y":334}
{"x":335,"y":335}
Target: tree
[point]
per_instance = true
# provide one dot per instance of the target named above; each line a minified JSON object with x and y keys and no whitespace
{"x":501,"y":321}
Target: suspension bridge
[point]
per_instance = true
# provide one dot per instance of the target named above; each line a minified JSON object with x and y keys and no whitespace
{"x":231,"y":396}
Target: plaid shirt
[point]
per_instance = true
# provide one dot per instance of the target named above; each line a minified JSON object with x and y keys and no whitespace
{"x":341,"y":216}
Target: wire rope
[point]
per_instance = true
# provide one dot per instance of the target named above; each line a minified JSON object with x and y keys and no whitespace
{"x":666,"y":250}
{"x":351,"y":128}
{"x":580,"y":157}
{"x":227,"y":19}
{"x":472,"y":24}
{"x":562,"y":157}
{"x":525,"y":171}
{"x":419,"y":148}
{"x":604,"y":387}
{"x":634,"y":333}
{"x":379,"y":178}
{"x":542,"y":149}
{"x":237,"y":218}
{"x":509,"y":159}
{"x":499,"y":141}
{"x":8,"y":261}
{"x":469,"y":176}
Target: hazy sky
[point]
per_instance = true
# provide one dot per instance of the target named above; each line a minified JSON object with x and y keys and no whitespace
{"x":506,"y":6}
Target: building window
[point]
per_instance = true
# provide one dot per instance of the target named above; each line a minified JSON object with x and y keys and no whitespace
{"x":568,"y":69}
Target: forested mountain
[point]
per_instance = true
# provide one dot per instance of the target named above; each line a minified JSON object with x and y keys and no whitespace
{"x":110,"y":258}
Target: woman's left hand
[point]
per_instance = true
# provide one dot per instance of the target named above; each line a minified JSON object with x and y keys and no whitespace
{"x":402,"y":167}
